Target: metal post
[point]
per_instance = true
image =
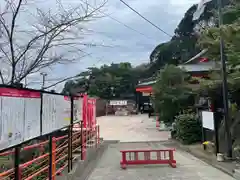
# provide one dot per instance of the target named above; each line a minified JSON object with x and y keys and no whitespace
{"x":43,"y":79}
{"x":50,"y":158}
{"x":137,"y":101}
{"x":69,"y":148}
{"x":224,"y":84}
{"x":41,"y":113}
{"x":70,"y":163}
{"x":54,"y":165}
{"x":98,"y":134}
{"x":17,"y":173}
{"x":81,"y":140}
{"x":216,"y":133}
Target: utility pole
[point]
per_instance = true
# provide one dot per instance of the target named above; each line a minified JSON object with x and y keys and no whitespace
{"x":224,"y":84}
{"x":196,"y":15}
{"x":43,"y":79}
{"x":25,"y":82}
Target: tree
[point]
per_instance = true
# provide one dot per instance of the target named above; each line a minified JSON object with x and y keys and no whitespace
{"x":210,"y":38}
{"x":171,"y":94}
{"x":108,"y":81}
{"x":182,"y":45}
{"x":26,"y":49}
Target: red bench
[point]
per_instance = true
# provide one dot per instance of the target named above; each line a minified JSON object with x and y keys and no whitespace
{"x":165,"y":156}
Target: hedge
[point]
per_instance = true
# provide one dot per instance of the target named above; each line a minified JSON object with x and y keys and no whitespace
{"x":188,"y":128}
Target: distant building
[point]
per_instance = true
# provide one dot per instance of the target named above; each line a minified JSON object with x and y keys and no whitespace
{"x":198,"y":66}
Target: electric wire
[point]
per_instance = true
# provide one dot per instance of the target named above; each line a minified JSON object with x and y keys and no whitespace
{"x":154,"y":25}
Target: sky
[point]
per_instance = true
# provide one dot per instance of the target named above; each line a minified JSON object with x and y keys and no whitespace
{"x":129,"y":45}
{"x":126,"y":45}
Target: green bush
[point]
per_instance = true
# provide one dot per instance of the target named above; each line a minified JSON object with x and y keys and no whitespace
{"x":171,"y":93}
{"x":188,"y":128}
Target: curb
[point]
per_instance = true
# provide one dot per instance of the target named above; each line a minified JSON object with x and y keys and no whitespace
{"x":92,"y":165}
{"x":83,"y":169}
{"x":135,"y":142}
{"x":204,"y":159}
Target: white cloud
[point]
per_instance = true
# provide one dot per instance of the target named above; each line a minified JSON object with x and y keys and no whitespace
{"x":127,"y":44}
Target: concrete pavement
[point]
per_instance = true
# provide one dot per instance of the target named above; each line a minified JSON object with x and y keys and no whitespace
{"x":188,"y":167}
{"x":138,"y":129}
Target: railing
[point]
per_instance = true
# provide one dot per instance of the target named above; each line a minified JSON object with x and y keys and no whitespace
{"x":55,"y":155}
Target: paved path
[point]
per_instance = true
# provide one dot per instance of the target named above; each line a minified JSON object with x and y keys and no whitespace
{"x":108,"y":168}
{"x":136,"y":128}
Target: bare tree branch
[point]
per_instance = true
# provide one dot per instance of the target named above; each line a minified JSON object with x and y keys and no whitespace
{"x":48,"y":35}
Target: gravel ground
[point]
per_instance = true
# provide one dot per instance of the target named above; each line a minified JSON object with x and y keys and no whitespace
{"x":136,"y":128}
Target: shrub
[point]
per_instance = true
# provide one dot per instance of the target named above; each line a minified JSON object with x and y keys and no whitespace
{"x":188,"y":128}
{"x":171,"y":93}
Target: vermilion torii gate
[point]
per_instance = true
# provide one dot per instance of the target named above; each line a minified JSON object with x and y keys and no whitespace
{"x":197,"y":66}
{"x":143,"y":92}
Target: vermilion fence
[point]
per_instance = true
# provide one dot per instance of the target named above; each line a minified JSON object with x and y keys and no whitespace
{"x":49,"y":154}
{"x":51,"y":163}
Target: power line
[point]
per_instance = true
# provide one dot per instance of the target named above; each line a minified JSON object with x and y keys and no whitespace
{"x":129,"y":27}
{"x":113,"y":38}
{"x":125,"y":25}
{"x":146,"y":19}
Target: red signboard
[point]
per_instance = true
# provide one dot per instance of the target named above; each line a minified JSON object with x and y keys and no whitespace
{"x":10,"y":92}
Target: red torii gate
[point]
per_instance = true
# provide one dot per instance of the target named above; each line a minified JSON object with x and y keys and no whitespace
{"x":145,"y":89}
{"x":89,"y":112}
{"x":148,"y":89}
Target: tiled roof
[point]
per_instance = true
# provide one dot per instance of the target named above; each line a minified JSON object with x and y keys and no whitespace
{"x":195,"y":58}
{"x":147,"y":83}
{"x":205,"y":66}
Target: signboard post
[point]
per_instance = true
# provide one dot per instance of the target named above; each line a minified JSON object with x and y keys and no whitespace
{"x":210,"y":123}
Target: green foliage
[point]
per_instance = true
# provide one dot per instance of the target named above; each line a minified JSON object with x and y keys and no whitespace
{"x":182,"y":46}
{"x":230,"y":32}
{"x":210,"y":39}
{"x":113,"y":81}
{"x":188,"y":128}
{"x":171,"y":94}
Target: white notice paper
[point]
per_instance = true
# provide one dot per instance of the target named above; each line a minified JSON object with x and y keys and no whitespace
{"x":77,"y":109}
{"x":19,"y":116}
{"x":56,"y":112}
{"x":208,"y":120}
{"x":12,"y":118}
{"x":32,"y":116}
{"x":49,"y":116}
